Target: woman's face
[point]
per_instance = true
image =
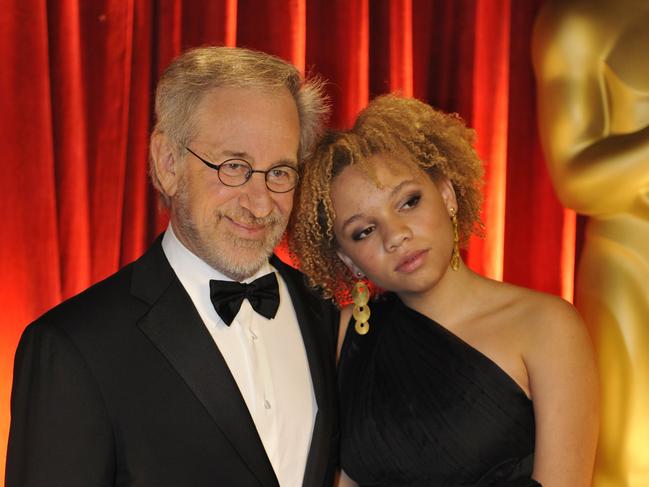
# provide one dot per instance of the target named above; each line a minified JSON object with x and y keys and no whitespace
{"x":399,"y":234}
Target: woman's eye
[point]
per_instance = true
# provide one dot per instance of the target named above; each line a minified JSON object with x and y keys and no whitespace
{"x":412,"y":201}
{"x":361,"y":234}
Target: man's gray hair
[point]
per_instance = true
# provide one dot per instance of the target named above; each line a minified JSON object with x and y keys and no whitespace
{"x":194,"y":73}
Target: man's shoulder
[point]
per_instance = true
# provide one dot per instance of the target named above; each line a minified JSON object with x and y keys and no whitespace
{"x":321,"y":310}
{"x":113,"y":300}
{"x":298,"y":281}
{"x":288,"y":271}
{"x":96,"y":301}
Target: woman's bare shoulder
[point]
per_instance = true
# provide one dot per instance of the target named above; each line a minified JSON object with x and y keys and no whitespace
{"x":549,"y":328}
{"x":538,"y":311}
{"x":532,"y":320}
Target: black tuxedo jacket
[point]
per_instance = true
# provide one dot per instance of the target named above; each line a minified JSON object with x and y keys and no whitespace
{"x":123,"y":385}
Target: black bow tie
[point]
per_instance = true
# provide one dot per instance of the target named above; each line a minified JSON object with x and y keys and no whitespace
{"x":262,"y":293}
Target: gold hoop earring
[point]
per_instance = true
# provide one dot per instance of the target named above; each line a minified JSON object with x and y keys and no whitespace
{"x":455,"y":256}
{"x":361,"y":311}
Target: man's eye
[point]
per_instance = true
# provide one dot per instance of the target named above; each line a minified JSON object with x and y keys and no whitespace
{"x":278,"y":173}
{"x":234,"y":167}
{"x":364,"y":233}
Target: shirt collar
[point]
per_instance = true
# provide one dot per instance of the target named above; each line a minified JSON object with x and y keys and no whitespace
{"x":191,"y":269}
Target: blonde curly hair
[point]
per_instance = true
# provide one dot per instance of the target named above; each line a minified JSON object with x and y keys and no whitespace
{"x":419,"y":135}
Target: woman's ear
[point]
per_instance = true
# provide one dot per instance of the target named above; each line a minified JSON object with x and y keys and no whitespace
{"x":446,"y":191}
{"x":350,"y":264}
{"x":165,"y":164}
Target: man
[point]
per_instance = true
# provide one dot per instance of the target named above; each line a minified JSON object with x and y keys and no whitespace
{"x":169,"y":373}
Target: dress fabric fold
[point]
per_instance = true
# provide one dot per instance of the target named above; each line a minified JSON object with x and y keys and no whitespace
{"x":420,"y":407}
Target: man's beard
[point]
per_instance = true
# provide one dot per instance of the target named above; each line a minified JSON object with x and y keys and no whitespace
{"x":232,"y":255}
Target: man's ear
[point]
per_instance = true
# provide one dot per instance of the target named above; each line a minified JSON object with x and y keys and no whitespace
{"x":447,"y":192}
{"x":350,"y":264}
{"x":165,"y":164}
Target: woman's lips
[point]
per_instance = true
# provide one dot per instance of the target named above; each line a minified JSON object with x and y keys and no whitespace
{"x":412,"y":261}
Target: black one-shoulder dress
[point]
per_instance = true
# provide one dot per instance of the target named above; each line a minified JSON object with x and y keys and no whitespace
{"x":421,"y":407}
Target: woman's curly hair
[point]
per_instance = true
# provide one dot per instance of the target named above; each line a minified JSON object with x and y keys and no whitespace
{"x":417,"y":134}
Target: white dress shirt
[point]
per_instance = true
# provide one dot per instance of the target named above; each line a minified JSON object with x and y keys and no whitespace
{"x":266,"y":358}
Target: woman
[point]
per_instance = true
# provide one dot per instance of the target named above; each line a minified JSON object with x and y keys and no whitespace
{"x":455,"y":379}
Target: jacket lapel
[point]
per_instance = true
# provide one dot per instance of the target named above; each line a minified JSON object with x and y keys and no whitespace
{"x":176,"y":329}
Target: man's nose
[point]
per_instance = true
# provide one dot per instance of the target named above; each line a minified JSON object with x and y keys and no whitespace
{"x":256,"y":197}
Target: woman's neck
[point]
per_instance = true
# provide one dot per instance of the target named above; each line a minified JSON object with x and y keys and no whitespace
{"x":450,"y":300}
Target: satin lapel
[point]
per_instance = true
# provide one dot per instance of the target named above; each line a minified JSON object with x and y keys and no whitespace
{"x":175,"y":328}
{"x":309,"y":320}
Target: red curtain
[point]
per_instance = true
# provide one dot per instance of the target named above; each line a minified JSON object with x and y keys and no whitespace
{"x":75,"y":114}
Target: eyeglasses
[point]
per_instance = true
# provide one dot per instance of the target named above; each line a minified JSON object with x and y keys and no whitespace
{"x":237,"y":172}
